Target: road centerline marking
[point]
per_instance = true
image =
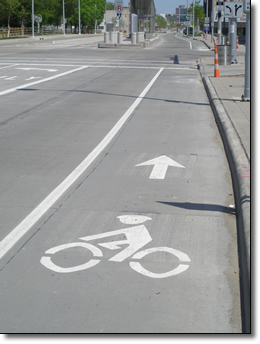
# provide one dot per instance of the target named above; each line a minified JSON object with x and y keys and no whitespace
{"x":19,"y":231}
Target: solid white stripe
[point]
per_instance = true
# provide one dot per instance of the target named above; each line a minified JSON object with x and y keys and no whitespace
{"x":11,"y":239}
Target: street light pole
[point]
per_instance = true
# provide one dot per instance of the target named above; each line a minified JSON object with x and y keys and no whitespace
{"x":79,"y":19}
{"x":95,"y":19}
{"x":63,"y":17}
{"x":187,"y":26}
{"x":207,"y":17}
{"x":193,"y":19}
{"x":32,"y":18}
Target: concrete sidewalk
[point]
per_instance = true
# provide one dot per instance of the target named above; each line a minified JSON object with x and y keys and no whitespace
{"x":233,"y":118}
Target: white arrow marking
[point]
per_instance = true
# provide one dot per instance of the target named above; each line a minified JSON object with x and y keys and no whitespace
{"x":49,"y":70}
{"x":161,"y":165}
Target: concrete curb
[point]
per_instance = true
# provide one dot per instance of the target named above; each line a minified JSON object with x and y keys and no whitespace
{"x":240,"y":171}
{"x":146,"y":44}
{"x":201,"y":40}
{"x":120,"y":46}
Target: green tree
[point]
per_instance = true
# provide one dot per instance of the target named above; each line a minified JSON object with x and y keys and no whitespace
{"x":198,"y":12}
{"x":9,"y":8}
{"x":24,"y":12}
{"x":110,"y":5}
{"x":160,"y":21}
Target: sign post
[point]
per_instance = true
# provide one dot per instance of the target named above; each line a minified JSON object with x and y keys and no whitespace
{"x":38,"y":19}
{"x":246,"y":95}
{"x":233,"y":10}
{"x":119,"y":6}
{"x":219,"y":10}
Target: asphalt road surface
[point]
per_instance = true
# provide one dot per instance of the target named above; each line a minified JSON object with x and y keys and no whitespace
{"x":115,"y":195}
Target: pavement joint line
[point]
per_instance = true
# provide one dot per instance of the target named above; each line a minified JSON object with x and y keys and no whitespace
{"x":19,"y":231}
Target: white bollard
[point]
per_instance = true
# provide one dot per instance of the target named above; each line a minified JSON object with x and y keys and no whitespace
{"x":133,"y":37}
{"x":114,"y":37}
{"x":140,"y":37}
{"x":107,"y":37}
{"x":120,"y":38}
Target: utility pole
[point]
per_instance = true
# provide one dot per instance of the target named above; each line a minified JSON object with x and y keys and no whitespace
{"x":246,"y":95}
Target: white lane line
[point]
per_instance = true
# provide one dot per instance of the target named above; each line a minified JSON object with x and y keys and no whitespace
{"x":12,"y":65}
{"x":184,"y":39}
{"x":18,"y":232}
{"x":40,"y":81}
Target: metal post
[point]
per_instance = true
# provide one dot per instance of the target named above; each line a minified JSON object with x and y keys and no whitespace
{"x":106,"y":18}
{"x":79,"y":19}
{"x":233,"y":38}
{"x":212,"y":21}
{"x":193,"y":19}
{"x":187,"y":27}
{"x":63,"y":6}
{"x":95,"y":19}
{"x":219,"y":28}
{"x":207,"y":10}
{"x":246,"y":95}
{"x":32,"y":18}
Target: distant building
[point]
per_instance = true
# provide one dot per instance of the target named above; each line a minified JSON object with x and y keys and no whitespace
{"x":181,"y":13}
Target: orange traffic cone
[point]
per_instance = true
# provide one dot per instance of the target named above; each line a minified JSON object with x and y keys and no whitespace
{"x":237,"y":43}
{"x":216,"y":69}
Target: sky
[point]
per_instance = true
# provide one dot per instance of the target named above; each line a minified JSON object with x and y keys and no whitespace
{"x":166,"y":6}
{"x":169,"y":6}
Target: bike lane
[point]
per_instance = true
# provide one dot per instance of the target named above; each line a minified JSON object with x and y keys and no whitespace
{"x":186,"y":208}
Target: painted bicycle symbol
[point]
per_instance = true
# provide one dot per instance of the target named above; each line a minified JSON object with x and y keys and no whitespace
{"x":136,"y":238}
